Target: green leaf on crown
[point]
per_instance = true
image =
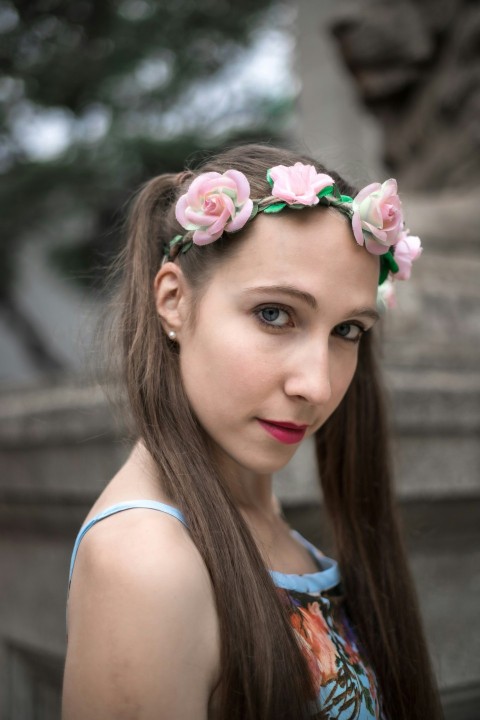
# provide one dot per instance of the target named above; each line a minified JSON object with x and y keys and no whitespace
{"x":326,"y":191}
{"x":187,"y":246}
{"x":269,"y":178}
{"x":391,"y":262}
{"x":387,"y":264}
{"x":275,"y":208}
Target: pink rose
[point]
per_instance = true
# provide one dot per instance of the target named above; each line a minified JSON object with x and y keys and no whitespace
{"x":407,"y":249}
{"x":214,"y":203}
{"x":377,"y":216}
{"x":299,"y":184}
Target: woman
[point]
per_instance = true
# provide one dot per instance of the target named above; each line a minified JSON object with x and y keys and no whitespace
{"x":248,"y":298}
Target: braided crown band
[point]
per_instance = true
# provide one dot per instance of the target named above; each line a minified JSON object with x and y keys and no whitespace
{"x":215,"y":204}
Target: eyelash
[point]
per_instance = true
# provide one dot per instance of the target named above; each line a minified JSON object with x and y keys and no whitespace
{"x":279,"y":328}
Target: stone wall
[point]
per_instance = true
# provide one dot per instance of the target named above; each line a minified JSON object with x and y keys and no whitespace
{"x":57,"y":448}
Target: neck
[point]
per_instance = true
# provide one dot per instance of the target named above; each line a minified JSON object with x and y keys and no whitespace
{"x":251,"y":492}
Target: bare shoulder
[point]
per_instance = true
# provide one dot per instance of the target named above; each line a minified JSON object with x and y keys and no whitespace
{"x":140,"y":545}
{"x":142,"y":622}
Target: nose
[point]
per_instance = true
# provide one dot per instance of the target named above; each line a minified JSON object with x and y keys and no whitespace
{"x":309,"y":373}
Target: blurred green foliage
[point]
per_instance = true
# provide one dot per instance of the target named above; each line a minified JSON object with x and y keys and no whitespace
{"x":111,"y":71}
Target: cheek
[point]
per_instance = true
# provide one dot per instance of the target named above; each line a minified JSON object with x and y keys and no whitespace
{"x":345,"y":364}
{"x":223,"y":364}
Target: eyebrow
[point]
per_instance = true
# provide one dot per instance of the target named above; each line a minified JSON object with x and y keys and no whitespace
{"x":309,"y":299}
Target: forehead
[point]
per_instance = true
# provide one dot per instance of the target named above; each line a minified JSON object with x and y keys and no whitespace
{"x":312,"y":249}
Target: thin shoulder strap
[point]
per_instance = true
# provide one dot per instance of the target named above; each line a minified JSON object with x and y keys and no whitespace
{"x":119,"y":507}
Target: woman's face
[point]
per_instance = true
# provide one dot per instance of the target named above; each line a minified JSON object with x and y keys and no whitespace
{"x":276,"y":336}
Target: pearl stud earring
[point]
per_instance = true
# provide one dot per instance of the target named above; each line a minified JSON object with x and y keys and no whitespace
{"x":172,"y":335}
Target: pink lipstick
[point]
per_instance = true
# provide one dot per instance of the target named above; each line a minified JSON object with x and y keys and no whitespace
{"x":287,"y":433}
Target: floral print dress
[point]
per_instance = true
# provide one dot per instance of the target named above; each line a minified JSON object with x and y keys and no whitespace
{"x":345,"y":684}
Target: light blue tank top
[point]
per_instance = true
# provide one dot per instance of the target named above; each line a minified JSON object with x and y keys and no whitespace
{"x":327,"y":577}
{"x":346,"y":685}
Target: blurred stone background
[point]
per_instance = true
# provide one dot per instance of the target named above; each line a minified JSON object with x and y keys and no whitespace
{"x":97,"y":97}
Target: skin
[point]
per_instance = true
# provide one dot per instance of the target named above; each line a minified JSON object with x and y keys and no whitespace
{"x":134,"y":643}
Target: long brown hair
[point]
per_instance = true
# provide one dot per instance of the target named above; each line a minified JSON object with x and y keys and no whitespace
{"x":264,"y":673}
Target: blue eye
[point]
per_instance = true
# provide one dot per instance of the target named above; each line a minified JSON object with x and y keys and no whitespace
{"x":270,"y":314}
{"x":273,"y":316}
{"x":349,"y":331}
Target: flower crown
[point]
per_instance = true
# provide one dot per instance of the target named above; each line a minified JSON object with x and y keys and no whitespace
{"x":215,"y":204}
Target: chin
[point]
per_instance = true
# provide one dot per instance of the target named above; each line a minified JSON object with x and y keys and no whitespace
{"x":268,"y":466}
{"x":260,"y":463}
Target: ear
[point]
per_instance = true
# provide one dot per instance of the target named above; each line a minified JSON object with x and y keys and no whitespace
{"x":171,"y":297}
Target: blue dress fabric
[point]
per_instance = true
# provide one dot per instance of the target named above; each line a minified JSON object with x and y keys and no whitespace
{"x":345,"y":684}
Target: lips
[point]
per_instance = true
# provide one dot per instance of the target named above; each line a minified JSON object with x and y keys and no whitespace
{"x":285,"y":432}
